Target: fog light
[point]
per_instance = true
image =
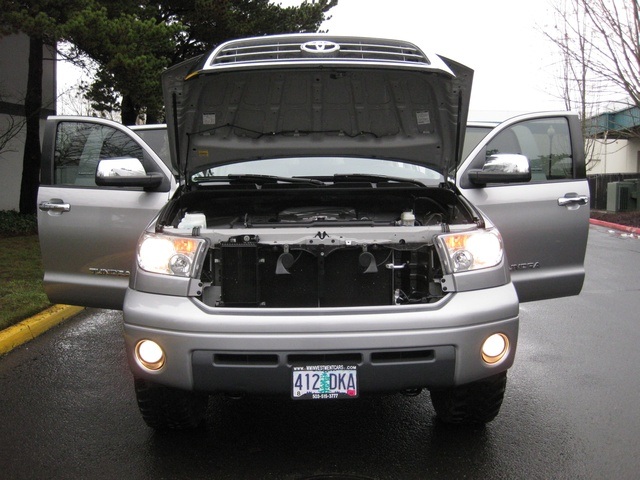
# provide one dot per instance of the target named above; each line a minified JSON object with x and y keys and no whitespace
{"x":495,"y":348}
{"x":150,"y":354}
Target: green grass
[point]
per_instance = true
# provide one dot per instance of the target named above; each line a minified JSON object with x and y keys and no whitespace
{"x":21,"y":291}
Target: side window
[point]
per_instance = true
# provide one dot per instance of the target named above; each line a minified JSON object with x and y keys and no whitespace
{"x":79,"y":147}
{"x":545,"y":142}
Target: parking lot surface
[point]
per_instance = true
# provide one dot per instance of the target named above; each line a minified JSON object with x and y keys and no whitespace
{"x":68,"y":410}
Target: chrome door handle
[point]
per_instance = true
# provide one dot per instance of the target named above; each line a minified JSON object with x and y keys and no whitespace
{"x":577,"y":200}
{"x":56,"y":207}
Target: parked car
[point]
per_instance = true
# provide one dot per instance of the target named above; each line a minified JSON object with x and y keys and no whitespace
{"x":318,"y":233}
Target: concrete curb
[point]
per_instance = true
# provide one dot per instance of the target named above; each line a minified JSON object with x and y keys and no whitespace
{"x":30,"y":328}
{"x":615,"y":226}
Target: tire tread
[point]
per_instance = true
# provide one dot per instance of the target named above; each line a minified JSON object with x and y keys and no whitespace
{"x":165,"y":408}
{"x":470,"y":404}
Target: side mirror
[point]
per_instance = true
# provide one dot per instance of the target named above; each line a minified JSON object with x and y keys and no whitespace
{"x":126,"y":172}
{"x":502,"y":168}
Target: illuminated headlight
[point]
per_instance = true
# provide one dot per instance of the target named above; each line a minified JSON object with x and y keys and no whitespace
{"x":170,"y":255}
{"x":471,"y":250}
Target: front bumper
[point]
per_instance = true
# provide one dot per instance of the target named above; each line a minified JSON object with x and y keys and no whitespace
{"x":253,"y":351}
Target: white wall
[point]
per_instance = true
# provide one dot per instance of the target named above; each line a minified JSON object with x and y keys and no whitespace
{"x":10,"y":171}
{"x":615,"y":156}
{"x":14,"y":58}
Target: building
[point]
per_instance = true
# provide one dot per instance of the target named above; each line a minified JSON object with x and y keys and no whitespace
{"x":614,"y":159}
{"x":14,"y":56}
{"x":617,"y":146}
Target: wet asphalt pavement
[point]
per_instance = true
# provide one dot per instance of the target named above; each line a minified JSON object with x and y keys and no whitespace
{"x":68,"y":410}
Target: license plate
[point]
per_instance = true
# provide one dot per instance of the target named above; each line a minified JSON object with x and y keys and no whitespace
{"x":323,"y":382}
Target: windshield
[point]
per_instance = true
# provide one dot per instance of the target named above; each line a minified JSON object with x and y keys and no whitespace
{"x":157,"y":139}
{"x":473,"y":136}
{"x":311,"y":167}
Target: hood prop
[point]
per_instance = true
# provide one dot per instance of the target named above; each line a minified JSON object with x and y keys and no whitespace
{"x":174,"y":105}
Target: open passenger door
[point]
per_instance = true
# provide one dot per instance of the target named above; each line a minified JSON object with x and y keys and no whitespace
{"x":544,"y":222}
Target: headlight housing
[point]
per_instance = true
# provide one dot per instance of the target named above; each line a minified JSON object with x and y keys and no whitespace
{"x":468,"y":251}
{"x":170,"y":255}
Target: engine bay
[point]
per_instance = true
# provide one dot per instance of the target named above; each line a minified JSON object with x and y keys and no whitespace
{"x":296,"y":247}
{"x":291,"y":205}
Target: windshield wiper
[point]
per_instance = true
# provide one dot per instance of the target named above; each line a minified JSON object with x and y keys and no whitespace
{"x":263,"y":179}
{"x":366,"y":177}
{"x":256,"y":134}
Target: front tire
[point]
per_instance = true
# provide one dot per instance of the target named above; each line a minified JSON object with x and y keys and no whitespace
{"x":166,"y":408}
{"x":470,"y":404}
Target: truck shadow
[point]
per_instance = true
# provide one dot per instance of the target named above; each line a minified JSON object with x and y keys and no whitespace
{"x":386,"y":436}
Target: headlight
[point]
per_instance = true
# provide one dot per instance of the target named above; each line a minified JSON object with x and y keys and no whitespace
{"x":471,"y":250}
{"x":170,"y":255}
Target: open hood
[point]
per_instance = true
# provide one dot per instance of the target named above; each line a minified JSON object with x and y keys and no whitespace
{"x":316,"y":95}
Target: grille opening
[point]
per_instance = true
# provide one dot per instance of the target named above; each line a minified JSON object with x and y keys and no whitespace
{"x":253,"y":276}
{"x":403,"y":356}
{"x":245,"y":359}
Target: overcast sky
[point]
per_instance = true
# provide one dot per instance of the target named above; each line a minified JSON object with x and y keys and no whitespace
{"x":501,"y":40}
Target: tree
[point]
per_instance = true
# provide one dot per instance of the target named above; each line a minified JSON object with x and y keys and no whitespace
{"x":616,"y":27}
{"x":600,"y":44}
{"x":130,"y":48}
{"x":132,"y":42}
{"x":208,"y":23}
{"x":325,"y":383}
{"x":579,"y":89}
{"x":600,"y":50}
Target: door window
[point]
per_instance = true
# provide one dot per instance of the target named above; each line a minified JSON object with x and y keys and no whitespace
{"x":79,"y":147}
{"x":546,"y":142}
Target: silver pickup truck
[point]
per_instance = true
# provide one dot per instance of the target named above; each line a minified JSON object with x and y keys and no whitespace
{"x":315,"y":231}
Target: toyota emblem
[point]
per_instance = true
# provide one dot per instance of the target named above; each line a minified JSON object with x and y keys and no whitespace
{"x":320,"y":47}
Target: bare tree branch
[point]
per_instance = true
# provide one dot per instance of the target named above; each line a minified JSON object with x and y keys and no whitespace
{"x":615,"y":43}
{"x":599,"y":46}
{"x":10,"y":127}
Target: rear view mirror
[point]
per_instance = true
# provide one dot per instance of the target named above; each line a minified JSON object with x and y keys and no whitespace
{"x":126,"y":172}
{"x":502,"y":168}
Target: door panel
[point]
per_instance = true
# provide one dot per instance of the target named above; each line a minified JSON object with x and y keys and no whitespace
{"x":545,"y":222}
{"x":88,"y":233}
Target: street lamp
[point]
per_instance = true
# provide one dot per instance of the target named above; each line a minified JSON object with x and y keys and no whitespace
{"x":551,"y":132}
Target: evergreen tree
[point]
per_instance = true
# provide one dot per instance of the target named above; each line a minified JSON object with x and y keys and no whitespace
{"x":134,"y":41}
{"x":325,"y":383}
{"x":130,"y":47}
